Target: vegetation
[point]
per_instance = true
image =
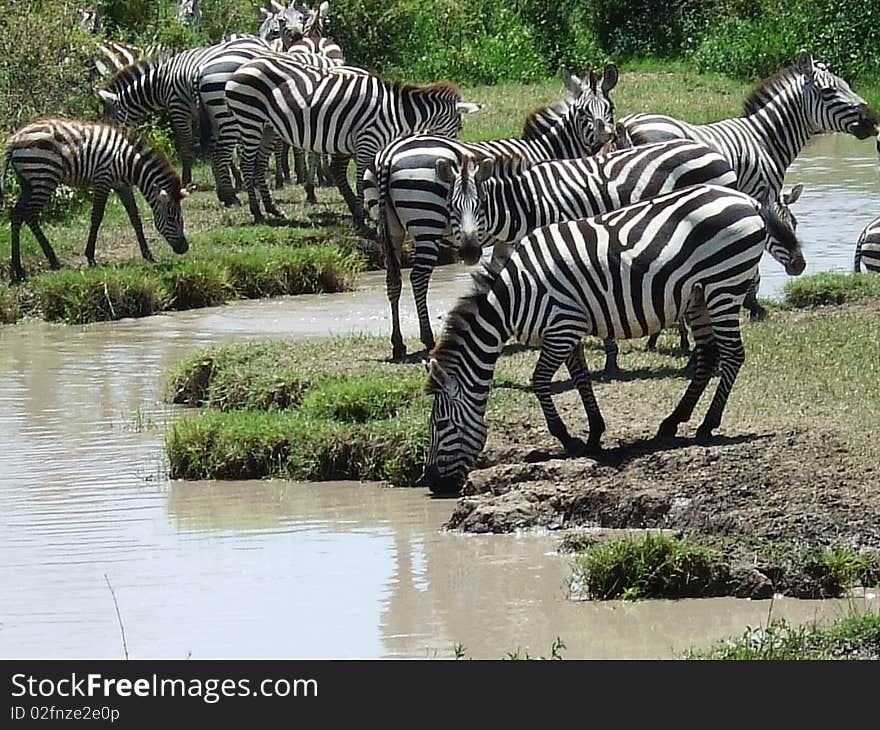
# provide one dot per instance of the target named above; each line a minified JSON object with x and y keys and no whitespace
{"x":852,"y":637}
{"x":10,"y":310}
{"x":826,"y":288}
{"x":654,"y":566}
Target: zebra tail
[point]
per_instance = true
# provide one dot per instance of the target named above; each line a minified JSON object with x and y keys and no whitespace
{"x":206,"y":129}
{"x":3,"y":163}
{"x":857,"y":261}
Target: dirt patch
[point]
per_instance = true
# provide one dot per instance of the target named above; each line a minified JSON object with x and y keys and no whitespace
{"x":797,"y":487}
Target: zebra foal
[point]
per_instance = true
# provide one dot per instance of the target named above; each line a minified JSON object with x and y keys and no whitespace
{"x":48,"y":152}
{"x":622,"y":274}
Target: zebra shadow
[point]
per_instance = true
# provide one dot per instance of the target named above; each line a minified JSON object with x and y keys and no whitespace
{"x":619,"y":456}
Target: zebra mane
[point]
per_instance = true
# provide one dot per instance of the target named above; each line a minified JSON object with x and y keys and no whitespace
{"x":136,"y":68}
{"x":766,"y":90}
{"x":459,"y":320}
{"x":148,"y":151}
{"x":540,"y":117}
{"x":438,"y":87}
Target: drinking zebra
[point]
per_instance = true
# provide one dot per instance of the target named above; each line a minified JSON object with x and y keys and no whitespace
{"x":171,"y":83}
{"x":868,"y":248}
{"x":49,"y":152}
{"x":502,"y":210}
{"x":344,"y":111}
{"x":781,"y":114}
{"x":405,"y":195}
{"x":622,"y":274}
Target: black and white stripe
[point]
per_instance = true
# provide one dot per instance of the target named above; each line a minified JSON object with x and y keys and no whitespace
{"x":622,"y":274}
{"x":781,"y":114}
{"x":104,"y":157}
{"x":404,"y":193}
{"x":868,"y":248}
{"x":502,"y":210}
{"x":171,"y":83}
{"x":344,"y":111}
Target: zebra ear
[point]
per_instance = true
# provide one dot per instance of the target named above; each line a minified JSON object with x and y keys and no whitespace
{"x":439,"y":379}
{"x":163,"y":196}
{"x":264,"y":15}
{"x":323,"y":8}
{"x":572,"y":83}
{"x":609,"y":78}
{"x":804,"y":63}
{"x":444,"y":171}
{"x":184,"y":193}
{"x":791,"y":197}
{"x":108,"y":97}
{"x":484,"y":170}
{"x":468,"y":107}
{"x":593,"y":81}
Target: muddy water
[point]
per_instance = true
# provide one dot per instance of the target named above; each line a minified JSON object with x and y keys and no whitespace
{"x":290,"y":570}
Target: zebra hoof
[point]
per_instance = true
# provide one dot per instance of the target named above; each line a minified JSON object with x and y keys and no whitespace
{"x":668,"y":429}
{"x":575,"y":447}
{"x":611,"y":372}
{"x":231,"y":202}
{"x":704,"y":435}
{"x":398,"y":353}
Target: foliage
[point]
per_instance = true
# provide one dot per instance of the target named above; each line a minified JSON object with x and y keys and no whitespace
{"x":830,"y":288}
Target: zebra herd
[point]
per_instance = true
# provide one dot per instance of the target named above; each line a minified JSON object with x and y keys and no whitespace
{"x":600,"y":228}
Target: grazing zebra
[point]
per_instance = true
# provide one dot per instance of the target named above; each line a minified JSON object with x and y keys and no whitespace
{"x":404,"y":193}
{"x":48,"y":152}
{"x":622,"y":274}
{"x":344,"y":111}
{"x":781,"y":114}
{"x":868,"y":248}
{"x":118,"y":55}
{"x":170,"y":83}
{"x":503,"y":210}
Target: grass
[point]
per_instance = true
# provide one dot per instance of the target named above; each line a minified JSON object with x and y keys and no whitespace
{"x":295,"y":445}
{"x":827,"y":288}
{"x":852,"y":637}
{"x":654,"y":566}
{"x":138,"y":289}
{"x":10,"y":310}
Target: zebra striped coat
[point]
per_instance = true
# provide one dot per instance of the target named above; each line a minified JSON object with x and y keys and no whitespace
{"x":49,"y":152}
{"x":169,"y":83}
{"x":344,"y":111}
{"x":868,"y":248}
{"x":622,"y":274}
{"x":484,"y":208}
{"x":781,"y":114}
{"x":403,"y":191}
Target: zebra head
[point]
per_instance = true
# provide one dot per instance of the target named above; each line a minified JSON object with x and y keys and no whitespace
{"x":464,"y":203}
{"x":592,"y":109}
{"x":831,"y":104}
{"x":782,"y":241}
{"x":168,"y":216}
{"x":457,"y":431}
{"x":281,"y":21}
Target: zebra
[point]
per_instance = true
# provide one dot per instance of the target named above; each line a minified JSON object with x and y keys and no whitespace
{"x":118,"y":55}
{"x":49,"y":152}
{"x":622,"y":274}
{"x":345,"y":111}
{"x":189,"y":12}
{"x":868,"y":248}
{"x":503,"y":210}
{"x":404,"y":193}
{"x":177,"y":83}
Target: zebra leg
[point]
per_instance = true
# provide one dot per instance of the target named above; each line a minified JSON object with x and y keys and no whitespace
{"x":310,"y":171}
{"x":280,"y":152}
{"x":652,"y":342}
{"x":27,"y":209}
{"x":339,"y":169}
{"x":249,"y":147}
{"x":392,"y":235}
{"x":261,"y":165}
{"x":17,"y":272}
{"x":611,"y":350}
{"x":221,"y":164}
{"x":424,"y":262}
{"x":99,"y":202}
{"x":54,"y":263}
{"x":556,"y":349}
{"x":299,"y":166}
{"x":236,"y":175}
{"x":181,"y":125}
{"x":732,"y":356}
{"x":757,"y":312}
{"x":580,"y":374}
{"x":706,"y":358}
{"x":683,"y":340}
{"x":128,"y":202}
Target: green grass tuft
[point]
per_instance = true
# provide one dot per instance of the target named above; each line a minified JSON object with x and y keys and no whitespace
{"x":830,"y":288}
{"x":853,"y":637}
{"x":10,"y":309}
{"x":655,"y":566}
{"x":362,"y":399}
{"x":293,"y":445}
